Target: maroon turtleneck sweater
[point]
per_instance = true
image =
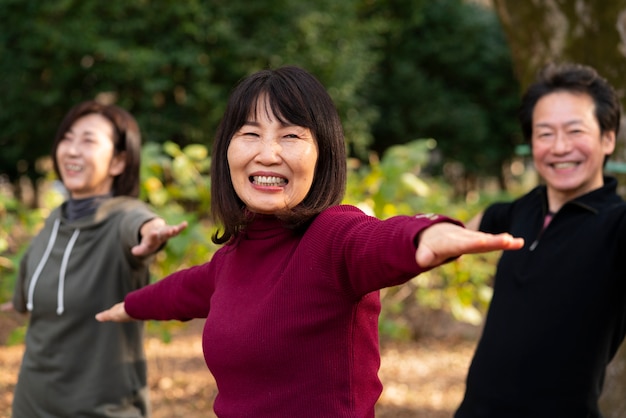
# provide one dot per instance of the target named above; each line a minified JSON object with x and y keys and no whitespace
{"x":292,"y":319}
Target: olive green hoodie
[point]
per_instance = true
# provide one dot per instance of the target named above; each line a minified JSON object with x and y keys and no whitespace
{"x":74,"y":366}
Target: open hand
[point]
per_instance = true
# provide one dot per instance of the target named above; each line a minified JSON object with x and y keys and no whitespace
{"x":444,"y":241}
{"x":154,"y":234}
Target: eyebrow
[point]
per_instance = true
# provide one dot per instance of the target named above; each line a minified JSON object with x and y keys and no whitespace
{"x":549,"y":125}
{"x":284,"y":125}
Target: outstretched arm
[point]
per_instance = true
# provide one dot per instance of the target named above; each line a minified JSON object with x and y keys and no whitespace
{"x":444,"y":241}
{"x":154,"y":234}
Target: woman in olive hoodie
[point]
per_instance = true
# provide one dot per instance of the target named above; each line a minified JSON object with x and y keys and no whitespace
{"x":92,"y":250}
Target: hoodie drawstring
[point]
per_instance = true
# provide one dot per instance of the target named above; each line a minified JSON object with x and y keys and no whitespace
{"x":44,"y":260}
{"x":66,"y":257}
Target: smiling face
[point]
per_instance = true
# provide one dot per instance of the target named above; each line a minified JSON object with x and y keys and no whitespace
{"x":272,"y":164}
{"x":85,"y":157}
{"x":568,"y":147}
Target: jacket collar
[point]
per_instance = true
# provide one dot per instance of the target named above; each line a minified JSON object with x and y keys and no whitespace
{"x":592,"y":201}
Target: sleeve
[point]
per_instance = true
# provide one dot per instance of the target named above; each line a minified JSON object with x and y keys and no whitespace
{"x":369,"y":253}
{"x":132,"y":220}
{"x":131,"y":223}
{"x":183,"y":295}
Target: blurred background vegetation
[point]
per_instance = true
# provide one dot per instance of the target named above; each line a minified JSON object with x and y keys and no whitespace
{"x":427,"y":91}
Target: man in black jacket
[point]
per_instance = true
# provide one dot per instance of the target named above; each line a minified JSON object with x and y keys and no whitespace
{"x":558,"y":313}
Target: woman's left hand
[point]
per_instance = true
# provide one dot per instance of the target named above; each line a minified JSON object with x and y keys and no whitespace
{"x":445,"y":241}
{"x":154,"y":234}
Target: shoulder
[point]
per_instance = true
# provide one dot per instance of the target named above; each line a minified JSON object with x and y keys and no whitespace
{"x":49,"y":223}
{"x":499,"y":216}
{"x":343,"y":219}
{"x":343,"y":211}
{"x":123,"y":205}
{"x":336,"y":216}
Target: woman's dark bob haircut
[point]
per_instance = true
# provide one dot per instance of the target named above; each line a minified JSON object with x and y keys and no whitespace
{"x":126,"y":139}
{"x":295,"y":97}
{"x":577,"y":79}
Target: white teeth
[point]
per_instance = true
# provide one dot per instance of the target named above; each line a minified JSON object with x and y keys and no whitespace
{"x":269,"y":181}
{"x":73,"y":167}
{"x":565,"y":165}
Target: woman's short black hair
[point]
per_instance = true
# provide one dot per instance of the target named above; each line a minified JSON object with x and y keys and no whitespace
{"x":295,"y":97}
{"x":126,"y":138}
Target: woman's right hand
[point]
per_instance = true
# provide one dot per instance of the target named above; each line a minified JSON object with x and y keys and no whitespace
{"x":116,"y":313}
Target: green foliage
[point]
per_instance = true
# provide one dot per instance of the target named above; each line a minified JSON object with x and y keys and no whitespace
{"x":395,"y":185}
{"x":171,"y":64}
{"x":445,"y":73}
{"x":176,"y":182}
{"x":397,"y":69}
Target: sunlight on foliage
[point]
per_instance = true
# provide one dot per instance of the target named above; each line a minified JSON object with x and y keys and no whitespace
{"x":396,"y":185}
{"x":175,"y":181}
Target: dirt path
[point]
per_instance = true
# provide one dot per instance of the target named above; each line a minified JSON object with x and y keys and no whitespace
{"x":421,"y":380}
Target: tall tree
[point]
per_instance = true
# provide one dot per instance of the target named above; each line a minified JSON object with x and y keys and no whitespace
{"x":446,"y":73}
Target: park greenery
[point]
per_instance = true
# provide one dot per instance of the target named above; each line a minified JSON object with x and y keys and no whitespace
{"x":176,"y":183}
{"x":449,"y":71}
{"x":398,"y":71}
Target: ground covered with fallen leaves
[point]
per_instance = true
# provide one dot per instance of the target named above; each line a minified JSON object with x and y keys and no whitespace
{"x":422,"y":379}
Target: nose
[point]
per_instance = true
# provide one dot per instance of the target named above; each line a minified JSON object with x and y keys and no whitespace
{"x":69,"y":147}
{"x":561,"y":143}
{"x":269,"y":151}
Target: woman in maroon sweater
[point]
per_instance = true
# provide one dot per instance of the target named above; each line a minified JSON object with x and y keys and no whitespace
{"x":291,"y":300}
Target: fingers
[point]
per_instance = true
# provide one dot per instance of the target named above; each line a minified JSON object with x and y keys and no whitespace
{"x":117,"y":313}
{"x":169,"y":231}
{"x":443,"y":242}
{"x":156,"y":237}
{"x":490,"y":242}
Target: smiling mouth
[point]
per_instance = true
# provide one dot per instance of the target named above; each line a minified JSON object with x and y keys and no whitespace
{"x":268,"y":181}
{"x":73,"y":167}
{"x":565,"y":165}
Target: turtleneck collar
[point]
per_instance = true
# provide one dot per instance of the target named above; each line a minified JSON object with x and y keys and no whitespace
{"x":265,"y":226}
{"x":79,"y":208}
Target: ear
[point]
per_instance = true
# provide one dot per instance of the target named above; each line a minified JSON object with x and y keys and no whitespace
{"x":608,"y":142}
{"x":118,"y":164}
